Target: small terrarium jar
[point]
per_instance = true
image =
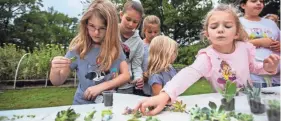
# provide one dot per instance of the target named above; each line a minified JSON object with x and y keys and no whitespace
{"x":256,"y":105}
{"x":229,"y":105}
{"x":108,"y":98}
{"x":272,"y":109}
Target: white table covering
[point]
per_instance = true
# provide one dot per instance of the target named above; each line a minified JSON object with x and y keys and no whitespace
{"x":123,"y":100}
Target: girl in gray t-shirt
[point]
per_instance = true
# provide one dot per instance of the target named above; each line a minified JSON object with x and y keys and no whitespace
{"x":162,"y":53}
{"x":95,"y":53}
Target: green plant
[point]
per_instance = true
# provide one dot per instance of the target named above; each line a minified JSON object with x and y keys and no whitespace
{"x":137,"y":114}
{"x":211,"y":113}
{"x":4,"y":118}
{"x":134,"y":119}
{"x":252,"y":92}
{"x":73,"y":59}
{"x":229,"y":90}
{"x":178,"y":106}
{"x":90,"y":116}
{"x":67,"y":115}
{"x":106,"y":115}
{"x":150,"y":118}
{"x":244,"y":117}
{"x":274,"y":104}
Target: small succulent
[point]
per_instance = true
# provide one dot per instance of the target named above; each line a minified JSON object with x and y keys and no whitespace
{"x":31,"y":116}
{"x":274,"y":104}
{"x":252,"y":92}
{"x":178,"y":106}
{"x":106,"y":115}
{"x":73,"y":59}
{"x":67,"y":115}
{"x":137,"y":114}
{"x":128,"y":111}
{"x":134,"y":119}
{"x":244,"y":117}
{"x":211,"y":113}
{"x":90,"y":116}
{"x":150,"y":118}
{"x":4,"y":118}
{"x":229,"y":91}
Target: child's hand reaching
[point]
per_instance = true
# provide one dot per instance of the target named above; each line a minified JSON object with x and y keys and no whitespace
{"x":275,"y":46}
{"x":270,"y":64}
{"x":158,"y":102}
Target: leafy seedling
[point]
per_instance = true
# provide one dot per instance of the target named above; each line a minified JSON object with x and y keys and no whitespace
{"x":128,"y":111}
{"x":4,"y":118}
{"x":73,"y":59}
{"x":134,"y":119}
{"x":90,"y":116}
{"x":150,"y":118}
{"x":67,"y":115}
{"x":178,"y":106}
{"x":229,"y":91}
{"x":31,"y":116}
{"x":106,"y":115}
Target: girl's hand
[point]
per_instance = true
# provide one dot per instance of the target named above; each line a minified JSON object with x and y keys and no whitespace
{"x":275,"y":46}
{"x":92,"y":92}
{"x":60,"y":63}
{"x":158,"y":102}
{"x":270,"y":64}
{"x":140,"y":83}
{"x":266,"y":42}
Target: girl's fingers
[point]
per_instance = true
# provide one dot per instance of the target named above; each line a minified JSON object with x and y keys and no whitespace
{"x":61,"y":61}
{"x":86,"y":95}
{"x":269,"y":61}
{"x":154,"y":111}
{"x":60,"y":65}
{"x":274,"y":58}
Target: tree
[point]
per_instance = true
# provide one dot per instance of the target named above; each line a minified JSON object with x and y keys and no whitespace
{"x":271,"y":6}
{"x":43,"y":27}
{"x":9,"y":10}
{"x":180,"y":19}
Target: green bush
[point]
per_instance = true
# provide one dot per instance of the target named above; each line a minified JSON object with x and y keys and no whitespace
{"x":37,"y":64}
{"x":187,"y":54}
{"x":33,"y":66}
{"x":9,"y":57}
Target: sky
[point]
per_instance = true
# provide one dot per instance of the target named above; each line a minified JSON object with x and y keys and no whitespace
{"x":70,"y":7}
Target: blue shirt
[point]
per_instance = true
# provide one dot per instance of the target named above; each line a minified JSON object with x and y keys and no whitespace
{"x":159,"y":78}
{"x":88,"y":73}
{"x":145,"y":57}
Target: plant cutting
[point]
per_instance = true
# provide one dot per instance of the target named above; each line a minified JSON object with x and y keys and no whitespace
{"x":67,"y":115}
{"x":241,"y":116}
{"x":177,"y":106}
{"x":150,"y":118}
{"x":106,"y":115}
{"x":228,"y":94}
{"x":254,"y":99}
{"x":211,"y":113}
{"x":90,"y":116}
{"x":273,"y":110}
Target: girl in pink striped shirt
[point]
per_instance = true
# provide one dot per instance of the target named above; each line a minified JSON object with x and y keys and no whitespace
{"x":229,"y":57}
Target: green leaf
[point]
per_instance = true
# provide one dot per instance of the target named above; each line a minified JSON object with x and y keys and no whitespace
{"x":90,"y":116}
{"x":212,"y":105}
{"x":221,"y":108}
{"x":232,"y":88}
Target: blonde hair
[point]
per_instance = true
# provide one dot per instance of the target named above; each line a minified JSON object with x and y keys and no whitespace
{"x":110,"y":46}
{"x":151,"y":19}
{"x":242,"y":34}
{"x":161,"y":50}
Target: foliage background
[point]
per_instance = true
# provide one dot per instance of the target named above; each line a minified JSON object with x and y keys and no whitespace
{"x":24,"y":28}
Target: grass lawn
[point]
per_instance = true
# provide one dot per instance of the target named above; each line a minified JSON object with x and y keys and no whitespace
{"x":35,"y":98}
{"x":55,"y":96}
